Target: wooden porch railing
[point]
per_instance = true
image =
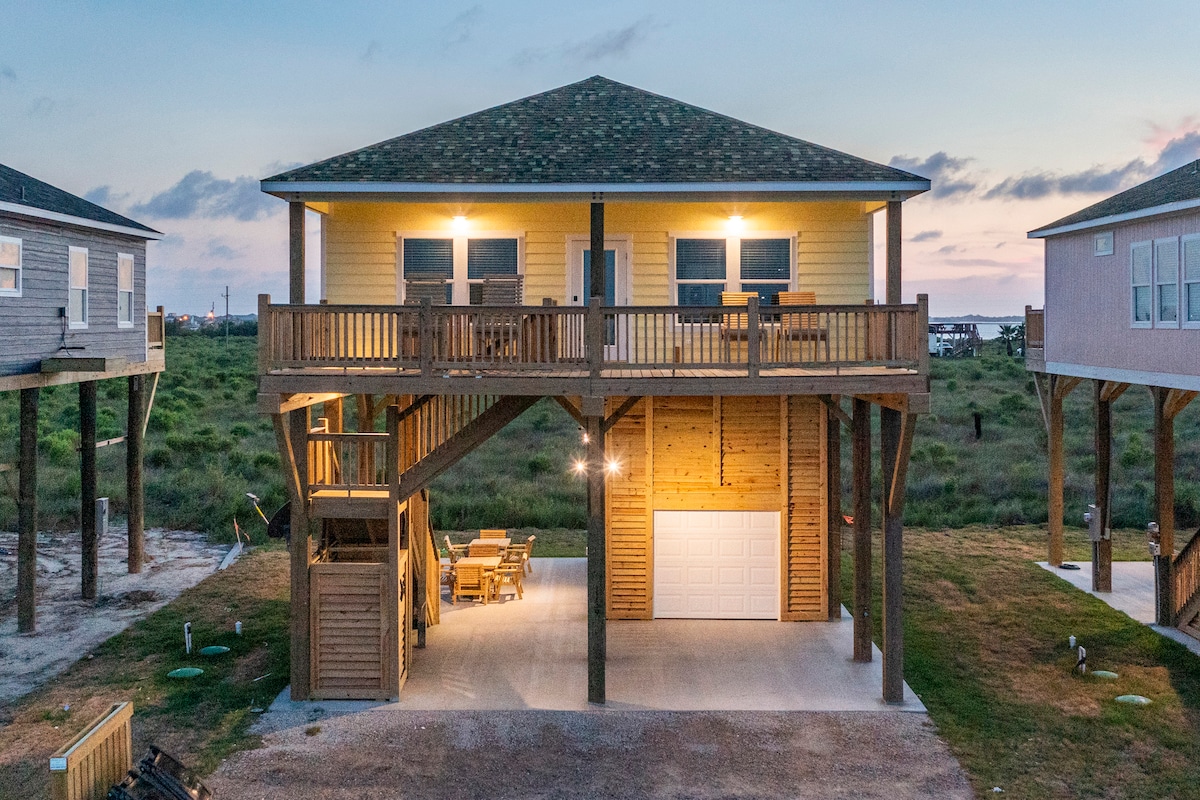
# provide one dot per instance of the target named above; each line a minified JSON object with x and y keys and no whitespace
{"x":94,"y":760}
{"x":1185,"y":579}
{"x":155,"y":329}
{"x":347,"y":461}
{"x":1035,"y":327}
{"x":434,"y":339}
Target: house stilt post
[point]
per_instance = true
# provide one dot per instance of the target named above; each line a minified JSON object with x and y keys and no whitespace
{"x":597,"y":577}
{"x":1102,"y":550}
{"x":861,"y":465}
{"x":296,"y":253}
{"x":27,"y":514}
{"x":833,"y":487}
{"x":90,"y":553}
{"x":135,"y":446}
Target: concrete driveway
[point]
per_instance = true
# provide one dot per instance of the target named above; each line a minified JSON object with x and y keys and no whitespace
{"x":495,"y":707}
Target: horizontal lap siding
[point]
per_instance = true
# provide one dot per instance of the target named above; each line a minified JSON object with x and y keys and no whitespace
{"x":629,"y":556}
{"x":30,"y":326}
{"x":806,"y":519}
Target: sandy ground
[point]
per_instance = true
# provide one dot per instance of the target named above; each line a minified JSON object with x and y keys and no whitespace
{"x":597,"y":754}
{"x":67,"y":626}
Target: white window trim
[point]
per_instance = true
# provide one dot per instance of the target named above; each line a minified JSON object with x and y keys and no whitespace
{"x":132,"y":295}
{"x":460,"y":291}
{"x":20,"y":267}
{"x":1098,"y":250}
{"x":622,"y":243}
{"x":87,"y":291}
{"x":1183,"y":283}
{"x":1133,"y":320}
{"x":1160,"y":323}
{"x":733,"y":257}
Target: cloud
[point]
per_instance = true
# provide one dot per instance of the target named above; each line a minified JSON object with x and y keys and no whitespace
{"x":926,"y":236}
{"x":948,"y":249}
{"x":460,"y":29}
{"x":977,"y":262}
{"x":947,"y":174}
{"x":200,"y":194}
{"x":218,"y":249}
{"x":615,"y":43}
{"x":6,"y":72}
{"x":41,"y":107}
{"x":529,"y":55}
{"x":105,"y":196}
{"x":1182,"y":149}
{"x":373,"y":49}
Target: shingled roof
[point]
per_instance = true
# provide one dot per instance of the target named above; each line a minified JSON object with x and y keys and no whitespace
{"x":597,"y":131}
{"x":1179,"y":186}
{"x":20,"y":190}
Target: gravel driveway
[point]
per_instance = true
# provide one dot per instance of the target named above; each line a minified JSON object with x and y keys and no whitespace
{"x":387,"y":752}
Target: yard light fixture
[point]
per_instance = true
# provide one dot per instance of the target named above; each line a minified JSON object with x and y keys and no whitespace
{"x":585,"y":437}
{"x":579,"y":467}
{"x":735,"y":224}
{"x":459,"y":224}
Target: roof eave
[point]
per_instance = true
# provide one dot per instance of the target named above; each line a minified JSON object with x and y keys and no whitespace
{"x":379,"y":191}
{"x":82,"y":222}
{"x":1113,"y":219}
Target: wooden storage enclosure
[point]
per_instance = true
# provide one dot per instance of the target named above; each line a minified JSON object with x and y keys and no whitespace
{"x":360,"y":647}
{"x":96,"y":759}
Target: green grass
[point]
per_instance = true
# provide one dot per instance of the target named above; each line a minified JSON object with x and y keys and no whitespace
{"x":986,"y":650}
{"x":201,"y":720}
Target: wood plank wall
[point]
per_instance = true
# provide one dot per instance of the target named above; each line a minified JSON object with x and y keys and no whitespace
{"x":723,"y":454}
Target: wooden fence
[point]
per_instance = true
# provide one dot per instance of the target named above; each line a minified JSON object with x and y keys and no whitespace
{"x":1035,"y":327}
{"x":94,"y":760}
{"x":435,"y":339}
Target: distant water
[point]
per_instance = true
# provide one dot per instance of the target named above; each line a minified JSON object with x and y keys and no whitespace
{"x":988,"y":330}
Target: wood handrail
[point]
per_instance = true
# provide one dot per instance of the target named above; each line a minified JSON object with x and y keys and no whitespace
{"x":1185,"y":577}
{"x":1035,"y":327}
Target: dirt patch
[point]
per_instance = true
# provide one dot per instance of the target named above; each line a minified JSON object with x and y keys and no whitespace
{"x":69,"y":627}
{"x":383,"y":752}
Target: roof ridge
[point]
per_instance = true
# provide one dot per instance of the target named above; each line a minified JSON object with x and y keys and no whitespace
{"x":58,"y":200}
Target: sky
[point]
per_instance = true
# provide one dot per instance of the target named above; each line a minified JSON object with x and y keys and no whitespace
{"x":1020,"y":112}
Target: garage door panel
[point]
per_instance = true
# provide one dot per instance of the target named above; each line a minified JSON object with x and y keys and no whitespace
{"x":716,"y":564}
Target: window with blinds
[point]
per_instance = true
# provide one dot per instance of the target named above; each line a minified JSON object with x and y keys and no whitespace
{"x":1166,"y":282}
{"x":10,"y":266}
{"x":699,"y":271}
{"x":1191,"y":279}
{"x":124,"y":290}
{"x":489,"y":259}
{"x":766,"y":267}
{"x":424,"y":263}
{"x":1141,"y":257}
{"x":77,"y":304}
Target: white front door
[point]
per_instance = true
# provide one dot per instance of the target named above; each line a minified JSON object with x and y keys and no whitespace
{"x":716,"y":564}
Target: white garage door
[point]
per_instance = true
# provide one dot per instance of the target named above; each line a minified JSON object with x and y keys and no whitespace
{"x":716,"y":564}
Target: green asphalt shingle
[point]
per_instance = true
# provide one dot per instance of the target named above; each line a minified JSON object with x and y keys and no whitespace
{"x":594,"y":131}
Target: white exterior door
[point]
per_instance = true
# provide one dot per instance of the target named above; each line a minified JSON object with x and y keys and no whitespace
{"x":716,"y":564}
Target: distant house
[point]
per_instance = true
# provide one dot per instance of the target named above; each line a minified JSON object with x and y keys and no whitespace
{"x":72,"y":310}
{"x":1123,"y":309}
{"x":695,"y":290}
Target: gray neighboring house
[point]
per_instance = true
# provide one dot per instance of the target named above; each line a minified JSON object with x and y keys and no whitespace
{"x":73,"y":310}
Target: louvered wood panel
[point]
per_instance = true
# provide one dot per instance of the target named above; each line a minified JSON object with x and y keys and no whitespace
{"x":627,"y":510}
{"x":804,"y":552}
{"x":351,"y":657}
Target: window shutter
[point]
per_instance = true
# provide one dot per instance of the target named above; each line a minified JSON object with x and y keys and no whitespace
{"x":488,"y":257}
{"x":1166,"y":275}
{"x":1191,"y":278}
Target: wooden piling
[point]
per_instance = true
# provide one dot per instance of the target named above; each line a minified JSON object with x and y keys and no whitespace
{"x":596,"y":567}
{"x":1102,"y":550}
{"x":27,"y":514}
{"x":90,"y":553}
{"x":833,"y":486}
{"x":135,"y":446}
{"x":861,"y":465}
{"x":301,"y":556}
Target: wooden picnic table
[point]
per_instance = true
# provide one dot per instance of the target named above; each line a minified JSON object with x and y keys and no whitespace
{"x":487,"y":562}
{"x":504,"y":543}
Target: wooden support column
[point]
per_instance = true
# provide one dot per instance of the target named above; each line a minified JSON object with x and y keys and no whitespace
{"x":833,"y":487}
{"x":894,"y":240}
{"x":599,"y":264}
{"x":896,"y":434}
{"x":296,"y":253}
{"x":301,"y":553}
{"x":861,"y":464}
{"x":1060,"y":387}
{"x":596,"y":553}
{"x":397,"y":618}
{"x":90,"y":554}
{"x":135,"y":447}
{"x":1164,"y":501}
{"x":365,"y":406}
{"x":332,"y":411}
{"x":1102,"y":550}
{"x":27,"y":514}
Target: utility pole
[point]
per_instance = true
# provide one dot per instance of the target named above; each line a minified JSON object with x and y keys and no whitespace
{"x":226,"y":296}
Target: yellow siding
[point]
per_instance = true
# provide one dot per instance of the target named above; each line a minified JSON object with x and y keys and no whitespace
{"x":724,"y":454}
{"x":360,"y":242}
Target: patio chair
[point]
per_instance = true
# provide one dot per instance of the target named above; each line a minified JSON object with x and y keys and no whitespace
{"x":735,"y":327}
{"x":493,"y":533}
{"x":471,"y":580}
{"x":483,"y":550}
{"x":529,"y":553}
{"x":798,"y":327}
{"x":417,"y":290}
{"x":456,"y":551}
{"x":507,"y":291}
{"x":510,"y":573}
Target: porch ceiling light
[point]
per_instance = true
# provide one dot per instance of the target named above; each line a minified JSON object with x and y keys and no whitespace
{"x":612,"y":467}
{"x":735,"y":224}
{"x":459,"y":224}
